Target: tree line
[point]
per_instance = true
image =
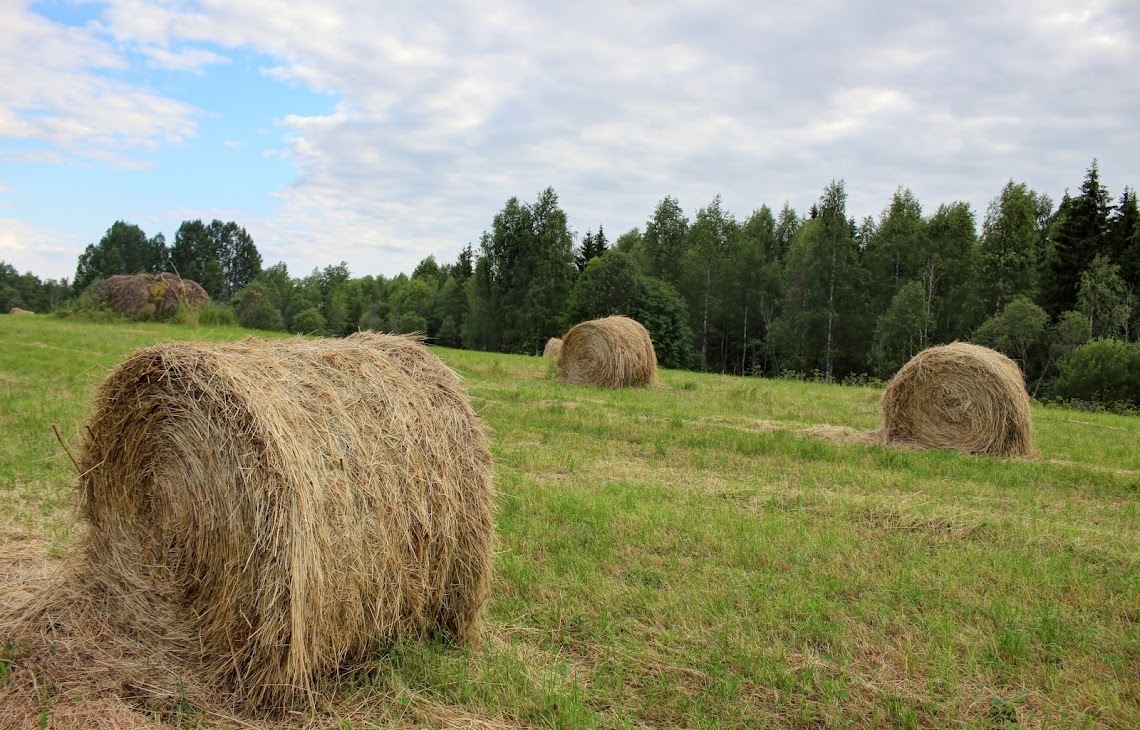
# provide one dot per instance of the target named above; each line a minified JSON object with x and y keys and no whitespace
{"x":815,"y":293}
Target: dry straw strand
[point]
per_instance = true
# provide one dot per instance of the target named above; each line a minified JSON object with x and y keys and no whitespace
{"x":960,"y":396}
{"x":614,"y":352}
{"x":264,"y":513}
{"x":553,"y":348}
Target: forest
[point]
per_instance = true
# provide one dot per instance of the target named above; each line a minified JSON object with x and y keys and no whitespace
{"x":813,"y":294}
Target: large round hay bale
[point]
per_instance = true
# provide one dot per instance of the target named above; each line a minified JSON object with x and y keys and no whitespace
{"x":267,"y":511}
{"x":960,"y":396}
{"x":615,"y":352}
{"x":150,"y":294}
{"x":553,"y":348}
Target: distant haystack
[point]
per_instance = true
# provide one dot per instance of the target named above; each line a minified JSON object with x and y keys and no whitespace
{"x":151,"y":294}
{"x":264,"y":513}
{"x":17,"y":310}
{"x":960,"y":396}
{"x":614,"y":352}
{"x":553,"y":348}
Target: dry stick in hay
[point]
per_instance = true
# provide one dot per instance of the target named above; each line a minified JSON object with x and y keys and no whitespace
{"x":553,"y":348}
{"x":963,"y":397}
{"x":614,"y":352}
{"x":263,"y":513}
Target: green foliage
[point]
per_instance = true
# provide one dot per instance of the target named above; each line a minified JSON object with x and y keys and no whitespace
{"x":429,"y":271}
{"x":308,"y":322}
{"x":1081,"y":234}
{"x":902,"y":331}
{"x":712,"y":248}
{"x":1102,"y":371}
{"x":608,"y":285}
{"x":758,"y":289}
{"x":217,"y":315}
{"x":947,"y":272}
{"x":769,"y":294}
{"x":895,"y":253}
{"x":220,"y":256}
{"x":1010,"y":247}
{"x":824,"y":324}
{"x":666,"y":241}
{"x":26,"y":291}
{"x":523,"y":277}
{"x":1070,"y":332}
{"x":450,"y":310}
{"x":255,"y":309}
{"x":592,"y":247}
{"x":662,"y":311}
{"x":124,"y":249}
{"x":410,"y":322}
{"x":209,"y":315}
{"x":449,"y":334}
{"x":1101,"y":298}
{"x":1018,"y":330}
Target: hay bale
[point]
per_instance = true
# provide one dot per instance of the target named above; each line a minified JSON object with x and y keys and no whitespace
{"x":266,"y":511}
{"x":151,"y":294}
{"x":960,"y":396}
{"x":553,"y":348}
{"x":17,"y":310}
{"x":614,"y":352}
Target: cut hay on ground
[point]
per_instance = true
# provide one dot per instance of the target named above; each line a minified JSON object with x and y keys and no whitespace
{"x":615,"y":352}
{"x":960,"y":396}
{"x":262,"y":513}
{"x":150,"y":294}
{"x":553,"y":348}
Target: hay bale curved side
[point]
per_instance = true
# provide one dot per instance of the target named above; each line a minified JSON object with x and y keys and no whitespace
{"x":267,"y":511}
{"x":960,"y":396}
{"x":553,"y":348}
{"x":149,"y":294}
{"x":614,"y":352}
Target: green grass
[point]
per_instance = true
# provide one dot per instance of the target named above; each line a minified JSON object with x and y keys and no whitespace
{"x":683,"y":557}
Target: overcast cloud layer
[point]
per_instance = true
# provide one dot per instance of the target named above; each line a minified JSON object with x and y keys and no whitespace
{"x":411,"y":128}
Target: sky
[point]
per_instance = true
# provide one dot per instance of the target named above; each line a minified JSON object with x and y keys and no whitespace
{"x":380,"y":133}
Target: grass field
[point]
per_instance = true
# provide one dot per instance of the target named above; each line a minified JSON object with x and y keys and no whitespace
{"x":687,"y":556}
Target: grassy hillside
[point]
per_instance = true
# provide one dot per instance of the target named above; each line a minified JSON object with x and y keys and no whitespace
{"x":689,"y":556}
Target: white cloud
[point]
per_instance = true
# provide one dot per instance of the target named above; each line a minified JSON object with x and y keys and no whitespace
{"x":56,"y":93}
{"x":45,"y":251}
{"x":193,"y":60}
{"x":447,"y":110}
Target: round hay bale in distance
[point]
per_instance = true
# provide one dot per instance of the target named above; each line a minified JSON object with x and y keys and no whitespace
{"x":960,"y":396}
{"x":553,"y":348}
{"x":150,"y":294}
{"x":267,"y":511}
{"x":615,"y":352}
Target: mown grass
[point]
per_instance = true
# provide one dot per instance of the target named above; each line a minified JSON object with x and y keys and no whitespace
{"x":685,"y":556}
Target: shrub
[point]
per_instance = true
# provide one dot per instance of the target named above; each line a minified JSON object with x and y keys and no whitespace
{"x":216,"y":315}
{"x":1102,"y":371}
{"x":308,"y":322}
{"x":410,"y":322}
{"x":255,"y":308}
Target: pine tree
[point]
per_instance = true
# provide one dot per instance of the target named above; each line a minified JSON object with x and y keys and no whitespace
{"x":1081,"y":235}
{"x":592,"y":247}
